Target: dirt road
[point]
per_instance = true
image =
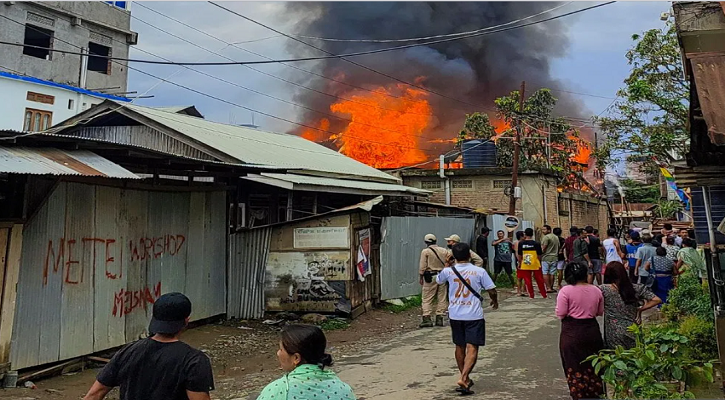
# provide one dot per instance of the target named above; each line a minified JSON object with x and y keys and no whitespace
{"x":520,"y":360}
{"x":382,"y":356}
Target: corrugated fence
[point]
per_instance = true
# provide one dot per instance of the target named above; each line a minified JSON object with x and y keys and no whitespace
{"x":402,"y":242}
{"x":248,"y":253}
{"x":95,"y":258}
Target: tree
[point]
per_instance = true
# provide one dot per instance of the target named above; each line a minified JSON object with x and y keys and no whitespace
{"x":649,"y":117}
{"x":635,"y":192}
{"x":553,"y":133}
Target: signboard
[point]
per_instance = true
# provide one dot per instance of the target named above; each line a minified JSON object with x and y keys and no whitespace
{"x":511,"y":223}
{"x":363,"y":254}
{"x":323,"y":237}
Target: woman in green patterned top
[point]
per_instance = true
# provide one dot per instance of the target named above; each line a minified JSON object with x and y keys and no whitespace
{"x":302,"y":355}
{"x":689,"y":259}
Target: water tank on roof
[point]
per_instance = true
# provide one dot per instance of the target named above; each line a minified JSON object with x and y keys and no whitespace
{"x":478,"y":154}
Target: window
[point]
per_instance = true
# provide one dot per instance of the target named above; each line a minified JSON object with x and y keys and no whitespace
{"x":37,"y":120}
{"x":40,"y":98}
{"x":463,"y":184}
{"x":430,"y":184}
{"x":71,"y":103}
{"x":563,"y":206}
{"x":502,"y":184}
{"x":40,"y":37}
{"x":99,"y":64}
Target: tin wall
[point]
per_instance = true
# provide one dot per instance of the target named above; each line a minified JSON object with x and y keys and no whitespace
{"x":248,"y":259}
{"x":402,"y":242}
{"x":96,"y":258}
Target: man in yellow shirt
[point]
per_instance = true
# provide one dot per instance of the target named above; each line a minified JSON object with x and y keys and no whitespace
{"x":529,"y":255}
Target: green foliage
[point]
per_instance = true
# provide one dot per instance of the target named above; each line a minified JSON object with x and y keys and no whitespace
{"x":643,"y":371}
{"x":650,"y":116}
{"x":636,"y":192}
{"x":667,"y":209}
{"x":538,"y":122}
{"x":689,"y":298}
{"x":408,"y":303}
{"x":333,"y":324}
{"x":701,"y":336}
{"x":503,"y":281}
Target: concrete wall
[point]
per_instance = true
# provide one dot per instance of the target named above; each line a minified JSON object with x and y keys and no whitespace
{"x":540,"y":202}
{"x":486,"y":191}
{"x":13,"y":97}
{"x":580,"y":211}
{"x":111,"y":23}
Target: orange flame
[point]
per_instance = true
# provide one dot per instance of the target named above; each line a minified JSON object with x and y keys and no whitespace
{"x":385,"y":129}
{"x":583,"y":151}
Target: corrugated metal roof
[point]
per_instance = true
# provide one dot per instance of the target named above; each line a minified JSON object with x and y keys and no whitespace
{"x":298,"y":182}
{"x":254,"y":146}
{"x":49,"y":161}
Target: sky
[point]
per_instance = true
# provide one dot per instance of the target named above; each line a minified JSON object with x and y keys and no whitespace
{"x":594,"y":65}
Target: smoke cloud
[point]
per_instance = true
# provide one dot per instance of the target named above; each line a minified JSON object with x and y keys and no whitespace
{"x":476,"y":70}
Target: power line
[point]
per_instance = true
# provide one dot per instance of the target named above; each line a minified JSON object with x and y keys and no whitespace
{"x":342,"y":57}
{"x":333,"y":56}
{"x":434,"y":36}
{"x":225,"y":101}
{"x":268,"y":95}
{"x":282,"y":63}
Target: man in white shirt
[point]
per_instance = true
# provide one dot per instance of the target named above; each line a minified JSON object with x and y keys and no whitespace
{"x":612,"y":248}
{"x":465,"y":310}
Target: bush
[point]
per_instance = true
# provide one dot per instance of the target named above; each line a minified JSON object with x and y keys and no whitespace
{"x":690,"y":297}
{"x":644,"y":371}
{"x":334,"y":324}
{"x":701,"y":336}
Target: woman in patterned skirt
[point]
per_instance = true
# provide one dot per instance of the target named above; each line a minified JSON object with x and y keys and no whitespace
{"x":578,"y":305}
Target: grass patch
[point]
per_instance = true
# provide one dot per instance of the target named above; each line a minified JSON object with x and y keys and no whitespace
{"x":334,"y":324}
{"x":408,"y":303}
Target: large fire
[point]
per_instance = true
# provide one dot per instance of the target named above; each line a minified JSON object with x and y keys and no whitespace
{"x":386,"y":128}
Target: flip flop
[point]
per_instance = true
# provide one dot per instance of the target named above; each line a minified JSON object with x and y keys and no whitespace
{"x":468,"y":389}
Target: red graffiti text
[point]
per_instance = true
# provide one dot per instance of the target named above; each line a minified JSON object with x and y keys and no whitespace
{"x":124,"y":301}
{"x":148,"y":248}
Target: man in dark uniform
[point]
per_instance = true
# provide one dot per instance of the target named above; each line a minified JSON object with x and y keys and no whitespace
{"x":482,"y":245}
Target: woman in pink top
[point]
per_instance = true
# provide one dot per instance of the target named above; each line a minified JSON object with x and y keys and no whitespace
{"x":578,"y":305}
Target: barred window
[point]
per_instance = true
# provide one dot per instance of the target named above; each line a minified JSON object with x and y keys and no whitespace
{"x":430,"y":184}
{"x":463,"y":184}
{"x":502,"y":184}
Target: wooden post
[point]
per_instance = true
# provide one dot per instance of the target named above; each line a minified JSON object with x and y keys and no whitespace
{"x":9,"y":291}
{"x":517,"y":151}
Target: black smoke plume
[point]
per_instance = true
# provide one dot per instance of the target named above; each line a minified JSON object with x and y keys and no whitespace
{"x":476,"y":70}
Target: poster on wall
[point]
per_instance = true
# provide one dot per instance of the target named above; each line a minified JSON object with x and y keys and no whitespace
{"x":297,"y":281}
{"x":322,"y":237}
{"x":363,"y":254}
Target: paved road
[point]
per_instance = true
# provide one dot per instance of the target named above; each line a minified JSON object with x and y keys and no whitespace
{"x":520,"y":361}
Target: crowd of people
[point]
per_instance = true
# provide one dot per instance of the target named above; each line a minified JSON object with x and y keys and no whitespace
{"x":613,"y":278}
{"x":631,"y":275}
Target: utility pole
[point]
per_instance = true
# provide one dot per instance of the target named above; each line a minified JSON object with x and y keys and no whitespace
{"x":517,"y":151}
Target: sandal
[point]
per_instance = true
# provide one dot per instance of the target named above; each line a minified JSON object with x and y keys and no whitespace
{"x":466,"y":391}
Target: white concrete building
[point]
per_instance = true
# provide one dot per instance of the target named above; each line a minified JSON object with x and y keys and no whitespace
{"x":32,"y":104}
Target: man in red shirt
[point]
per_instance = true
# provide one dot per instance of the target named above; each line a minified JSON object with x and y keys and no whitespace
{"x":569,"y":244}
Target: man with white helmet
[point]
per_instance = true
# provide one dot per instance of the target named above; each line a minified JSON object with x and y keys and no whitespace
{"x":432,"y":261}
{"x":475,"y":258}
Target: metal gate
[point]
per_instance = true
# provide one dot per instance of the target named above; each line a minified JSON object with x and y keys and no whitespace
{"x":402,"y":242}
{"x":248,"y":252}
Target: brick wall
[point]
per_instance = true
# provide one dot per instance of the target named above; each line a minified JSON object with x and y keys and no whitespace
{"x":483,"y":191}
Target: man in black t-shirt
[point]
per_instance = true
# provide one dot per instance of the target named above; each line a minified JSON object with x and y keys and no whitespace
{"x":596,"y":249}
{"x":482,"y":245}
{"x":160,"y":367}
